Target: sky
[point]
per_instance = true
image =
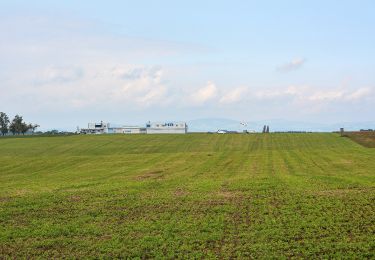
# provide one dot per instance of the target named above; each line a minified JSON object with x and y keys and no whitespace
{"x":66,"y":63}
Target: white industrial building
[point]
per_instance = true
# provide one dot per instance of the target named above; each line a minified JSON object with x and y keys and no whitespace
{"x":166,"y":128}
{"x":95,"y":128}
{"x":129,"y":130}
{"x":151,"y":128}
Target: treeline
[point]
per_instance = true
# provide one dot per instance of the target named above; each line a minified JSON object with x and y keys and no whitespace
{"x":15,"y":126}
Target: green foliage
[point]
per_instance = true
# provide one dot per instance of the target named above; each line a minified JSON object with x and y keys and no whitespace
{"x":18,"y":126}
{"x":4,"y":123}
{"x":187,"y":196}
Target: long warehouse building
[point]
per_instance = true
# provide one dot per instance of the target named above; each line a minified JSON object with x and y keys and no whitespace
{"x":151,"y":128}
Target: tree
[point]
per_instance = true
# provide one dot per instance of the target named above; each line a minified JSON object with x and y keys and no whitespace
{"x":33,"y":127}
{"x":25,"y":127}
{"x":17,"y":125}
{"x":4,"y":123}
{"x":12,"y":128}
{"x":14,"y":125}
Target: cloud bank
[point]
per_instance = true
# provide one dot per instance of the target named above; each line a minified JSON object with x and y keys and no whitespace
{"x":204,"y":94}
{"x":292,"y":65}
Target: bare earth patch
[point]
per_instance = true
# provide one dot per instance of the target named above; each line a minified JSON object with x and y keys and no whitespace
{"x":75,"y":198}
{"x":155,"y":175}
{"x":343,"y":192}
{"x":366,"y":138}
{"x":226,"y":194}
{"x":180,"y":192}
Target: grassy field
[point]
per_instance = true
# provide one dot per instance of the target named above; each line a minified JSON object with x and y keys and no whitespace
{"x":187,"y":196}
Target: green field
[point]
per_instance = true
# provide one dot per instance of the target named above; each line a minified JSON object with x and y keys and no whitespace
{"x":187,"y":196}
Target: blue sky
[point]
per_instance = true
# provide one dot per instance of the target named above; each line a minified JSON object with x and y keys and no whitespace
{"x":65,"y":63}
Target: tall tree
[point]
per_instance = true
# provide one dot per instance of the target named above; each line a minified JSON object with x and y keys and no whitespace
{"x":17,"y":125}
{"x":4,"y":123}
{"x":12,"y":128}
{"x":25,"y":127}
{"x":33,"y":127}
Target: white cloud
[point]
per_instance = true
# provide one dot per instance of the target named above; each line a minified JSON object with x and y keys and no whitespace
{"x":59,"y":75}
{"x":314,"y":95}
{"x":296,"y":90}
{"x":156,"y":95}
{"x":268,"y":94}
{"x":64,"y":64}
{"x":144,"y":90}
{"x":341,"y":95}
{"x":205,"y":93}
{"x":234,"y":95}
{"x":327,"y":95}
{"x":292,"y":65}
{"x":360,"y":94}
{"x":138,"y":85}
{"x":96,"y":86}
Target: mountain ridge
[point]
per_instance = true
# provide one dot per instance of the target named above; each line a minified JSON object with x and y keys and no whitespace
{"x":214,"y":124}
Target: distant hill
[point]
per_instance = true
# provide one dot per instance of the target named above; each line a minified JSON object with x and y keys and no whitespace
{"x":214,"y":124}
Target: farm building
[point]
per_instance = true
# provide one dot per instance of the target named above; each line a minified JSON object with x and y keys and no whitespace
{"x":106,"y":128}
{"x":166,"y":128}
{"x":151,"y":128}
{"x":126,"y":130}
{"x":95,"y":128}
